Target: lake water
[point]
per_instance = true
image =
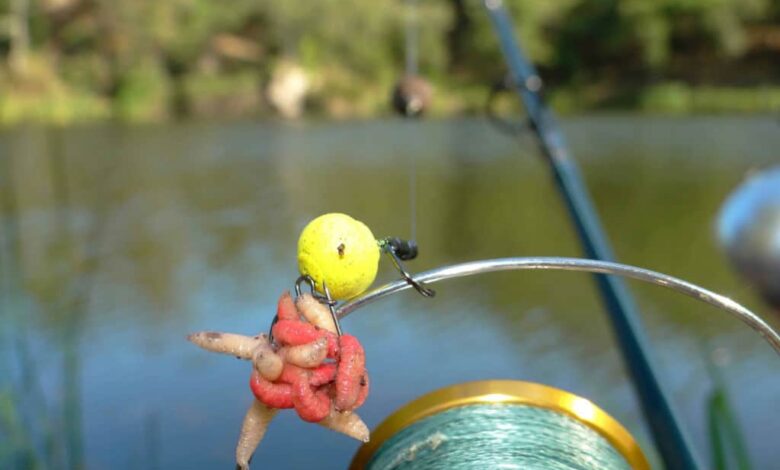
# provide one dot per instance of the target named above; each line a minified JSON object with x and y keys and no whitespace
{"x":115,"y":242}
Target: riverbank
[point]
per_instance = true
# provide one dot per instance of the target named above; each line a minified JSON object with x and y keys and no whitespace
{"x":149,"y":96}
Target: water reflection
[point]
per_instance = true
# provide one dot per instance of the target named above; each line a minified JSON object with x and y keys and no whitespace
{"x":117,"y":241}
{"x":45,"y":266}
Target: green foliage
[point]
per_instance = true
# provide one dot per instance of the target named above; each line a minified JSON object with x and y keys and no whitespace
{"x":225,"y":95}
{"x":672,"y":98}
{"x":151,"y":59}
{"x":43,"y":97}
{"x":143,"y":94}
{"x":678,"y":98}
{"x":642,"y":36}
{"x":15,"y":449}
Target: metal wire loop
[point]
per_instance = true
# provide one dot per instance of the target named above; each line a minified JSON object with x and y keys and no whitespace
{"x":326,"y":299}
{"x":308,"y":280}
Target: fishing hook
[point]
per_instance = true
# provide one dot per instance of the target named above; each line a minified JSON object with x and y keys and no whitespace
{"x":404,"y":250}
{"x":323,"y":299}
{"x":326,"y":299}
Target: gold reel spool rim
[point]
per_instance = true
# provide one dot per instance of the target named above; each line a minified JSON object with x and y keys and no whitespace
{"x":505,"y":392}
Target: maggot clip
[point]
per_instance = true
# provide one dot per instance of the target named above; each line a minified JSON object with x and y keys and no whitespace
{"x":326,"y":299}
{"x":399,"y":250}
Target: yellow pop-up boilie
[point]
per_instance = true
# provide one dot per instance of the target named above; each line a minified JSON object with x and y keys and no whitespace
{"x":341,"y":252}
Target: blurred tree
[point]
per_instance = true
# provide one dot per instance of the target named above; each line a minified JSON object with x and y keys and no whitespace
{"x":153,"y":58}
{"x":600,"y":37}
{"x":19,"y":36}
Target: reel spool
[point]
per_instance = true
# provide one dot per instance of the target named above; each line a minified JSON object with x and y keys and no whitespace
{"x":500,"y":424}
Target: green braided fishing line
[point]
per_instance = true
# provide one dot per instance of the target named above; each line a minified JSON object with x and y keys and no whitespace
{"x":498,"y":436}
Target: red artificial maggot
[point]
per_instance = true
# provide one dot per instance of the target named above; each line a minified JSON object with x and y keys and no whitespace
{"x":298,"y":332}
{"x":312,"y":405}
{"x":285,"y":308}
{"x":350,"y":374}
{"x":302,"y":369}
{"x":314,"y":385}
{"x":323,"y":374}
{"x":273,"y":394}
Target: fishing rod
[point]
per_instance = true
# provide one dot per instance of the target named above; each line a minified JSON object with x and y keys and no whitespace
{"x":667,"y":433}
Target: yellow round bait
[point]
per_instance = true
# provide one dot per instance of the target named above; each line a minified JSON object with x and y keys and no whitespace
{"x":341,"y":252}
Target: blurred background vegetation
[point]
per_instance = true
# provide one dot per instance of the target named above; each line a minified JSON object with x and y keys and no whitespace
{"x":151,"y":60}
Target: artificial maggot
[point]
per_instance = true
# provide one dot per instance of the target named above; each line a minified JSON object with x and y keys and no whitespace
{"x":311,"y":404}
{"x":266,"y":361}
{"x":351,"y":373}
{"x":275,"y":395}
{"x":297,"y":333}
{"x":348,"y":423}
{"x":315,"y":312}
{"x":252,"y":431}
{"x":285,"y":308}
{"x":306,"y":355}
{"x":306,"y":367}
{"x":226,"y":343}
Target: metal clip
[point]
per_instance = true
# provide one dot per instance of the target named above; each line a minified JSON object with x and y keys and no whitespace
{"x":325,"y":299}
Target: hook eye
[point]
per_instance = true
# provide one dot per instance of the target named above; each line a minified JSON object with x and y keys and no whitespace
{"x":325,"y":299}
{"x":308,"y":280}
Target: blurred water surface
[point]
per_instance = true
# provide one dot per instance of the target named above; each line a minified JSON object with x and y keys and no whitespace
{"x":117,"y":241}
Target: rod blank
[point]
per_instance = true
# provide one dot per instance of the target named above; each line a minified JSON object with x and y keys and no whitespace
{"x":572,"y":264}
